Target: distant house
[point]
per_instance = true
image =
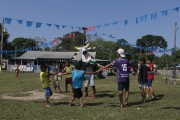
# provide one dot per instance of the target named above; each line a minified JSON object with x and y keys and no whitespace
{"x":36,"y":58}
{"x":178,"y":67}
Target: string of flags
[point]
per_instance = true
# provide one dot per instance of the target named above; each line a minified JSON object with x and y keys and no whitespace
{"x":38,"y":24}
{"x":137,"y":20}
{"x":159,"y":50}
{"x":48,"y":44}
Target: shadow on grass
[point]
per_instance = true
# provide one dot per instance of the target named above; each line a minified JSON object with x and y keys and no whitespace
{"x":176,"y":108}
{"x":104,"y":95}
{"x":85,"y":104}
{"x":101,"y":94}
{"x":158,"y":97}
{"x":113,"y":105}
{"x":93,"y":104}
{"x":54,"y":103}
{"x":39,"y":101}
{"x":60,"y":103}
{"x":103,"y":91}
{"x":133,"y":92}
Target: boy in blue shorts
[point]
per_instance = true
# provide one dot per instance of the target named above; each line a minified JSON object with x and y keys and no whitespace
{"x":44,"y":77}
{"x":77,"y":81}
{"x":123,"y":66}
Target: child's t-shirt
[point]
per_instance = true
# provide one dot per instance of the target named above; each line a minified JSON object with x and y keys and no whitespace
{"x":77,"y":78}
{"x":122,"y":65}
{"x":150,"y":74}
{"x":44,"y":79}
{"x":17,"y":70}
{"x":143,"y":74}
{"x":68,"y":69}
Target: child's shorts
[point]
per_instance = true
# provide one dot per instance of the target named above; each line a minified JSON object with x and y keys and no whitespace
{"x":48,"y":92}
{"x":150,"y":82}
{"x":77,"y":93}
{"x":144,"y":85}
{"x":68,"y":80}
{"x":89,"y":80}
{"x":123,"y":85}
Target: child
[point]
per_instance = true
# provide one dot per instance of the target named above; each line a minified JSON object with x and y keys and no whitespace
{"x":143,"y":78}
{"x":77,"y":82}
{"x":56,"y":80}
{"x":90,"y":79}
{"x":150,"y":76}
{"x":44,"y":77}
{"x":68,"y":68}
{"x":17,"y":71}
{"x":123,"y":65}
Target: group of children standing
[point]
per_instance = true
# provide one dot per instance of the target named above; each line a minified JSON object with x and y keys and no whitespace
{"x":145,"y":78}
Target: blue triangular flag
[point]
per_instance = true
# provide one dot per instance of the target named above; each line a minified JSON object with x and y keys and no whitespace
{"x":49,"y":25}
{"x":176,"y":9}
{"x":38,"y":24}
{"x":63,"y":26}
{"x":153,"y":16}
{"x":29,"y":23}
{"x":57,"y":26}
{"x":79,"y":28}
{"x":125,"y":22}
{"x":105,"y":25}
{"x":164,"y":13}
{"x":143,"y":18}
{"x":98,"y":26}
{"x":7,"y":20}
{"x":114,"y":23}
{"x":137,"y":20}
{"x":95,"y":34}
{"x":20,"y":21}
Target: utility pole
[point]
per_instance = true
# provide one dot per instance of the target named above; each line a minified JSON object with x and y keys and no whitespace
{"x":1,"y":55}
{"x":84,"y":40}
{"x":174,"y":72}
{"x":175,"y":31}
{"x":15,"y":53}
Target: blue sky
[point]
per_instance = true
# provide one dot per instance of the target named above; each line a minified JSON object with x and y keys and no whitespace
{"x":90,"y":13}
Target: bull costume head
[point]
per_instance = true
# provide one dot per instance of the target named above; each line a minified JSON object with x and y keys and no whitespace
{"x":83,"y":54}
{"x":85,"y":57}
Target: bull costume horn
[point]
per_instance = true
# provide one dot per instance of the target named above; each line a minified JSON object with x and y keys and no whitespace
{"x":83,"y":54}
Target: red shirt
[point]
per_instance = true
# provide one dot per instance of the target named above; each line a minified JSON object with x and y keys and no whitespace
{"x":150,"y":75}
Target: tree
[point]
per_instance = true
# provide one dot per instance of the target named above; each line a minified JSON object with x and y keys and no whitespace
{"x":152,"y":41}
{"x":105,"y":49}
{"x":69,"y":43}
{"x":22,"y":43}
{"x":6,"y":45}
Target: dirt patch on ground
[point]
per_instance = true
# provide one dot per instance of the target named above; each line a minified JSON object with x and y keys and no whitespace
{"x":31,"y":95}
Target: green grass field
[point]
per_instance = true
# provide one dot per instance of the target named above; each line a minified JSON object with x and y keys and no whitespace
{"x":105,"y":107}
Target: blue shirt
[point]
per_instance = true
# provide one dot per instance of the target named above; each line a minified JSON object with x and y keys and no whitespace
{"x":122,"y":66}
{"x":77,"y":78}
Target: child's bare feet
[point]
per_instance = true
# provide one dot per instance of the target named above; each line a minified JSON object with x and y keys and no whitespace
{"x":47,"y":105}
{"x":71,"y":104}
{"x":121,"y":106}
{"x":82,"y":105}
{"x":85,"y":95}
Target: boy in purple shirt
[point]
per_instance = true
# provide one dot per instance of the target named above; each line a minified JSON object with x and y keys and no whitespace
{"x":122,"y":65}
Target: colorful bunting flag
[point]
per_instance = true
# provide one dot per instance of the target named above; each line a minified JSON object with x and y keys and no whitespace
{"x":29,"y":23}
{"x":7,"y":20}
{"x":38,"y":25}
